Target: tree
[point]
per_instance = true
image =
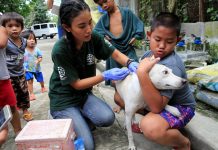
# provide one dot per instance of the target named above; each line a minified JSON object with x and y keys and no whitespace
{"x":19,"y":6}
{"x":40,"y":12}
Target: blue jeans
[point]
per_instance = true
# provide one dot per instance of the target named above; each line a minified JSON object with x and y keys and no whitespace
{"x":96,"y":110}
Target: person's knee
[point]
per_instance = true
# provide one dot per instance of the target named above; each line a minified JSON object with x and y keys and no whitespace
{"x":151,"y":131}
{"x":108,"y":119}
{"x":2,"y":140}
{"x":3,"y":136}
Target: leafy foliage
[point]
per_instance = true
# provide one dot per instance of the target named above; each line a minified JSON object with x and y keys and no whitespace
{"x":34,"y":11}
{"x":187,"y":10}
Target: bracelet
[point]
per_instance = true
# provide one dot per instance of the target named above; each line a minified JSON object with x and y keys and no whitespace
{"x":129,"y":62}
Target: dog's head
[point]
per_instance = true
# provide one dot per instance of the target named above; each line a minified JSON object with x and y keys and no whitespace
{"x":163,"y":78}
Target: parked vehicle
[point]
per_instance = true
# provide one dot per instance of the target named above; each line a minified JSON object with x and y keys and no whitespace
{"x":45,"y":30}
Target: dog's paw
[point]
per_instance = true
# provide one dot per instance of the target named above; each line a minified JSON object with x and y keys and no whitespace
{"x":175,"y":112}
{"x":132,"y":148}
{"x":117,"y":109}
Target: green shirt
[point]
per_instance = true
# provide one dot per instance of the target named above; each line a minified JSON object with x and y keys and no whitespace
{"x":71,"y":65}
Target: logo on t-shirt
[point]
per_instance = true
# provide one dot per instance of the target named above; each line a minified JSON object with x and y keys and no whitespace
{"x":107,"y":42}
{"x":90,"y":59}
{"x":61,"y":73}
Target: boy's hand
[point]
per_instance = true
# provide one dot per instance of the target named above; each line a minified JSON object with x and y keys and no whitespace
{"x":37,"y":62}
{"x":132,"y":41}
{"x":147,"y":63}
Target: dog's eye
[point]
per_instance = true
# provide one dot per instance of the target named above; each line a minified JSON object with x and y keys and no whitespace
{"x":165,"y":72}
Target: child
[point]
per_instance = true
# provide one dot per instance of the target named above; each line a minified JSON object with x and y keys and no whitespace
{"x":121,"y":28}
{"x":74,"y":72}
{"x":32,"y":59}
{"x":159,"y":125}
{"x":15,"y":49}
{"x":7,"y":96}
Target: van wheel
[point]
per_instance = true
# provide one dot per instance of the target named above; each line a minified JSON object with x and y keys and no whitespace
{"x":51,"y":36}
{"x":44,"y":36}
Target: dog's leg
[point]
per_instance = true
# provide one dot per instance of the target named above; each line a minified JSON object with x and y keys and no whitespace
{"x":173,"y":110}
{"x":128,"y":115}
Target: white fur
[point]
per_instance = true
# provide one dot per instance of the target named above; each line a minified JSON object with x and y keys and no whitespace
{"x":130,"y":91}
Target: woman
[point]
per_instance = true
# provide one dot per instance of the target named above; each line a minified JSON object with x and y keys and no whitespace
{"x":74,"y":72}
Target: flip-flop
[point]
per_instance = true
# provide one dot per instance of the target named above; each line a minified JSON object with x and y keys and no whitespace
{"x":27,"y":116}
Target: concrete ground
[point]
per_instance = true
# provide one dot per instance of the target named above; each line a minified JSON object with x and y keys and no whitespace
{"x":202,"y":130}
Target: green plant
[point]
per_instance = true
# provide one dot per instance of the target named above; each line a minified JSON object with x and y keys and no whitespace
{"x":213,"y":52}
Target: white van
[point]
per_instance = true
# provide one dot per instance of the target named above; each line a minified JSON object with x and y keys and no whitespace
{"x":45,"y":30}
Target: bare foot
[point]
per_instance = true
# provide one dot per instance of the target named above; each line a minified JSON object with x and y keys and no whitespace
{"x":43,"y":90}
{"x":117,"y":109}
{"x":185,"y":147}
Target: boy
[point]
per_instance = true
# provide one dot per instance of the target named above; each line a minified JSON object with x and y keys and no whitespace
{"x":159,"y":125}
{"x":7,"y":96}
{"x":121,"y":28}
{"x":15,"y":49}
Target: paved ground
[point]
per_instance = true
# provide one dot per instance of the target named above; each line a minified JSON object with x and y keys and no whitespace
{"x":203,"y":129}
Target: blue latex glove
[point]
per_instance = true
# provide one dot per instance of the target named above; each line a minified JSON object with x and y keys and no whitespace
{"x":115,"y":74}
{"x":133,"y":66}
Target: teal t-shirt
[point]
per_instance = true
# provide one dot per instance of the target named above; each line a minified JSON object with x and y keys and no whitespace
{"x":71,"y":65}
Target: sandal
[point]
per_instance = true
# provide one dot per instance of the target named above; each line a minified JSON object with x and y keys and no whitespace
{"x":27,"y":116}
{"x":135,"y":128}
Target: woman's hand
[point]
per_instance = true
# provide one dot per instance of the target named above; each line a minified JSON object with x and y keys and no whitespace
{"x":115,"y":74}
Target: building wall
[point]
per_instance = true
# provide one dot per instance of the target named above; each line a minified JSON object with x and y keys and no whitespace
{"x":132,"y":4}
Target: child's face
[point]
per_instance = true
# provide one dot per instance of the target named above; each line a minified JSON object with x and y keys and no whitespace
{"x":81,"y":27}
{"x":162,"y":41}
{"x":31,"y":41}
{"x":107,"y":5}
{"x":14,"y":29}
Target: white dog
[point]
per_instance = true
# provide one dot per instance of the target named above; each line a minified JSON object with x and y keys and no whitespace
{"x":130,"y":91}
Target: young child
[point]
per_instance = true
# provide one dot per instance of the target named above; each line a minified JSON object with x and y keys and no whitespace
{"x":15,"y":49}
{"x":7,"y":96}
{"x":32,"y":60}
{"x":74,"y":72}
{"x":121,"y":28}
{"x":159,"y":125}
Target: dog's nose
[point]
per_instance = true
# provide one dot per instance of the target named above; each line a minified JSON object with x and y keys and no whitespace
{"x":184,"y":81}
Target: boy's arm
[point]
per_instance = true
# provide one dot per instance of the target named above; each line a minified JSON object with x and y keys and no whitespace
{"x":3,"y":37}
{"x":151,"y":95}
{"x":50,"y":3}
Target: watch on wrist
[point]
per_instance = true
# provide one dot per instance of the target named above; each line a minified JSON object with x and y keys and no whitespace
{"x":129,"y":61}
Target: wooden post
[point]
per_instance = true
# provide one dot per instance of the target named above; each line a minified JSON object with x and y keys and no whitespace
{"x":201,"y":10}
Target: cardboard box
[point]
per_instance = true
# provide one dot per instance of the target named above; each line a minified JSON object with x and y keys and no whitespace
{"x":46,"y":135}
{"x":56,"y":7}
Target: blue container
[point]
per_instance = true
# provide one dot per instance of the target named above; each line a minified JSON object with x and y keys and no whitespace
{"x":79,"y":144}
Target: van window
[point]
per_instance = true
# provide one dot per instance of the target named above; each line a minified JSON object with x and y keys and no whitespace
{"x":36,"y":27}
{"x":51,"y":25}
{"x":43,"y":26}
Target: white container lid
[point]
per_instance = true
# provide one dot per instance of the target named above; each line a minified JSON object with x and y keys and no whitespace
{"x":44,"y":130}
